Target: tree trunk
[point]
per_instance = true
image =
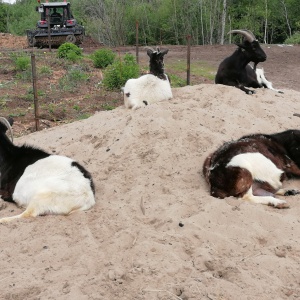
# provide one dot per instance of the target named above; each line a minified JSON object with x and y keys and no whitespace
{"x":223,"y":21}
{"x":286,"y":17}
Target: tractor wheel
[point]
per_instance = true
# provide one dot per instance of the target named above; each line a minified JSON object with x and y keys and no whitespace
{"x":31,"y":41}
{"x":71,"y":38}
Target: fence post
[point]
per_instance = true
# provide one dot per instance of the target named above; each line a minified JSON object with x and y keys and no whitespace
{"x":137,"y":41}
{"x":188,"y":68}
{"x":36,"y":103}
{"x":49,"y":30}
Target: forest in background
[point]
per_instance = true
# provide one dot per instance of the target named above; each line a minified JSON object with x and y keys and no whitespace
{"x":113,"y":22}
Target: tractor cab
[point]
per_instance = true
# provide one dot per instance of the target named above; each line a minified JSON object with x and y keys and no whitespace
{"x":59,"y":15}
{"x":62,"y":28}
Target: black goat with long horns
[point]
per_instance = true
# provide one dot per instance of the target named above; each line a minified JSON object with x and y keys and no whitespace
{"x":235,"y":70}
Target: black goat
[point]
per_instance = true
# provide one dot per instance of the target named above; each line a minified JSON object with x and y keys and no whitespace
{"x":43,"y":183}
{"x":235,"y":70}
{"x":253,"y":167}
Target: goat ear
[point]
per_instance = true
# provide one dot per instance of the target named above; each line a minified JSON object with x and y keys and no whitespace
{"x":149,"y":52}
{"x":165,"y":52}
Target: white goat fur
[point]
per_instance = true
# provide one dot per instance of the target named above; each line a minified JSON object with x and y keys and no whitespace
{"x":262,"y":169}
{"x":147,"y":88}
{"x":52,"y":186}
{"x":260,"y":74}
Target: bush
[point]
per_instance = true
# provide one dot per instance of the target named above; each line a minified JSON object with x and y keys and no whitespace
{"x":294,"y":39}
{"x":103,"y":58}
{"x":116,"y":75}
{"x":69,"y":51}
{"x":21,"y":61}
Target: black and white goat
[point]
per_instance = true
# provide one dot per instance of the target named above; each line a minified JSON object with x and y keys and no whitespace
{"x":149,"y":88}
{"x":253,"y":167}
{"x":43,"y":183}
{"x":235,"y":70}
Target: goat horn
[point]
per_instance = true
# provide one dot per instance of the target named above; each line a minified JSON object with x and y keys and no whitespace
{"x":6,"y":123}
{"x":249,"y":36}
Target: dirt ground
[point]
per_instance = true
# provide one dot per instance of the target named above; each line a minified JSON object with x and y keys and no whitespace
{"x":59,"y":105}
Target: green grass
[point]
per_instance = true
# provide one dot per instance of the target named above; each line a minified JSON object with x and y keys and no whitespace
{"x":198,"y":68}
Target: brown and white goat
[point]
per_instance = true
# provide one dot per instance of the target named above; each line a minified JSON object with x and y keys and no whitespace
{"x":254,"y":167}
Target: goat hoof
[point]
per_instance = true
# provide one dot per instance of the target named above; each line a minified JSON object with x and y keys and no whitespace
{"x":280,"y":92}
{"x":291,"y":193}
{"x":282,"y":206}
{"x":250,"y":92}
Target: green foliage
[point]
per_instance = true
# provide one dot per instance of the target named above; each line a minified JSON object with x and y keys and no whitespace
{"x":72,"y":80}
{"x":69,"y":51}
{"x":165,"y":22}
{"x":177,"y":81}
{"x":294,"y":39}
{"x":116,"y":74}
{"x":21,"y":61}
{"x":45,"y":70}
{"x":103,"y":57}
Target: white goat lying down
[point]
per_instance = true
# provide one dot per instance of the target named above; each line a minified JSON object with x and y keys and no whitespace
{"x":40,"y":182}
{"x":149,"y":88}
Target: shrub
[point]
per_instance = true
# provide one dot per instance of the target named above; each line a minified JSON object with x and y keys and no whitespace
{"x":21,"y":61}
{"x":294,"y":39}
{"x":69,"y":51}
{"x":116,"y":75}
{"x":103,"y":58}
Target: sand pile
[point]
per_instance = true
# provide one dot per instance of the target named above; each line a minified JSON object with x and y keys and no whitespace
{"x":155,"y":233}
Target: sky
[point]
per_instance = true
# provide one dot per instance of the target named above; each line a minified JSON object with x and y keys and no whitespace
{"x":9,"y":1}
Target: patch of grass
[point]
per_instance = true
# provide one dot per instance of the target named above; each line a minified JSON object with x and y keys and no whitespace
{"x":83,"y":116}
{"x":72,"y":80}
{"x":198,"y":68}
{"x":24,"y":75}
{"x":45,"y":70}
{"x":17,"y":114}
{"x":177,"y":81}
{"x":107,"y":106}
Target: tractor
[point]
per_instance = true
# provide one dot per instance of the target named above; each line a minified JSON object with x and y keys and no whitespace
{"x":56,"y":26}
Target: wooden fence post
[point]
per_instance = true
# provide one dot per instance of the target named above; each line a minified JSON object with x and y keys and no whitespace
{"x":188,"y":68}
{"x":36,"y":103}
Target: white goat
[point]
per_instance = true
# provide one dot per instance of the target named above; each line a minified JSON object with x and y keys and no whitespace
{"x":149,"y":88}
{"x":43,"y":183}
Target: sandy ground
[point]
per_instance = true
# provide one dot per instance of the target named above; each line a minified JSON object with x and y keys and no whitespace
{"x":155,"y":232}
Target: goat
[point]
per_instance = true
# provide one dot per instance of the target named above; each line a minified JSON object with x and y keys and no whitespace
{"x":235,"y":70}
{"x":43,"y":183}
{"x":254,"y":167}
{"x":149,"y":88}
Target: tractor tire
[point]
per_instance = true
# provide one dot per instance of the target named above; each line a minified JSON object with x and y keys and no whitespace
{"x":31,"y":41}
{"x":71,"y":38}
